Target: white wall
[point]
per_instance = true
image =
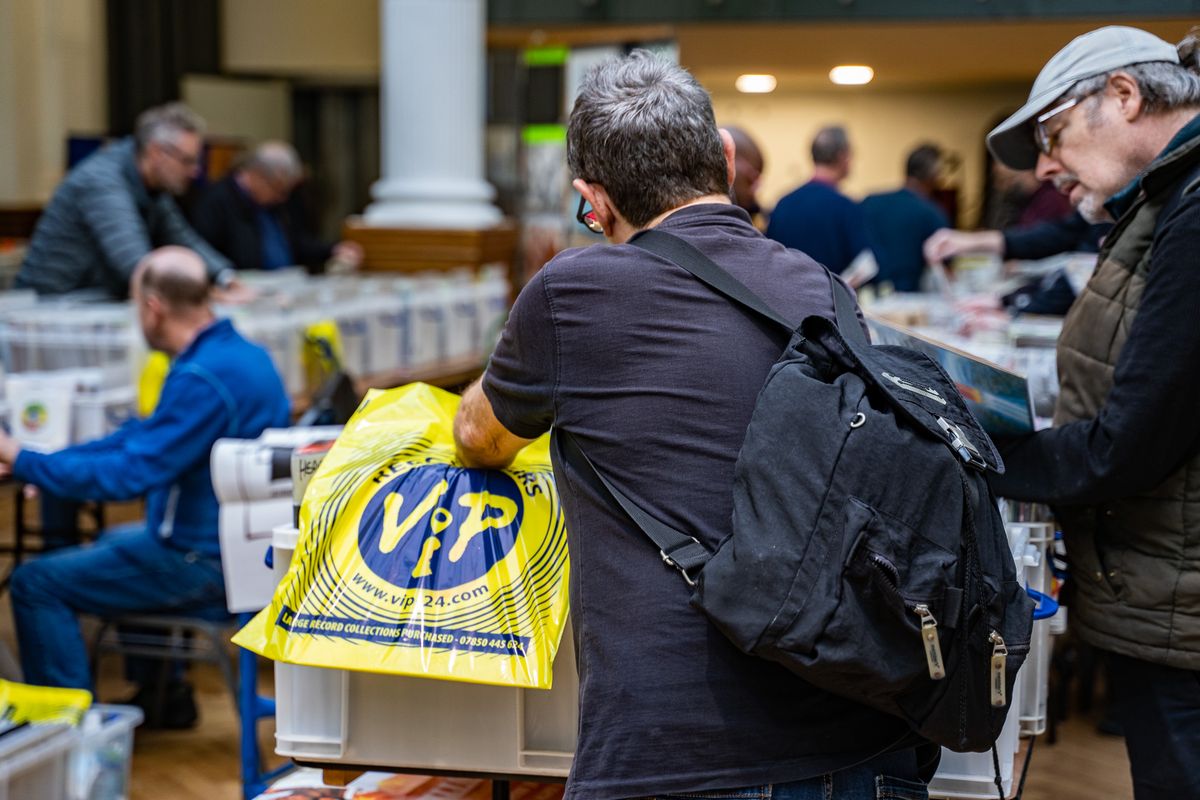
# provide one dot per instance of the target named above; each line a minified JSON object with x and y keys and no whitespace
{"x":324,"y":38}
{"x":883,"y":127}
{"x":52,"y":84}
{"x":252,"y":110}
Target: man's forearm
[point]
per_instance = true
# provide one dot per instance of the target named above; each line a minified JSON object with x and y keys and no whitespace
{"x":480,"y":439}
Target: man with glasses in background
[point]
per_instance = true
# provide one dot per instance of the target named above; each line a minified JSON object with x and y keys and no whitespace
{"x":116,"y":206}
{"x":1112,"y":120}
{"x":254,"y":217}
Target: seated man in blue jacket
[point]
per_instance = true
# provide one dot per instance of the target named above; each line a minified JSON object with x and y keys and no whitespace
{"x":219,"y":385}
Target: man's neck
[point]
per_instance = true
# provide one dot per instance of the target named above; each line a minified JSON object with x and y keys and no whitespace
{"x":143,"y":171}
{"x":185,"y":331}
{"x":827,"y":174}
{"x":917,"y":187}
{"x":623,"y":231}
{"x":1161,"y":129}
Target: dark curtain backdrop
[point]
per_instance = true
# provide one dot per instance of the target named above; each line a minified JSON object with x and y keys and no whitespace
{"x":151,"y":45}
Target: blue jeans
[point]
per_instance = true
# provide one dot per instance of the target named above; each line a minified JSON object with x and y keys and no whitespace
{"x":1159,"y":709}
{"x":60,"y":520}
{"x":894,"y":776}
{"x":125,"y":571}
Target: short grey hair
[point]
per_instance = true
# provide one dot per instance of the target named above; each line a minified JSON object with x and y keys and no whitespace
{"x":643,"y":128}
{"x":1164,"y":86}
{"x":830,"y":144}
{"x":277,"y":161}
{"x":164,"y":123}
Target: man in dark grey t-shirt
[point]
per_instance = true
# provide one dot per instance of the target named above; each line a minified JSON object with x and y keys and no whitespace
{"x":656,"y":377}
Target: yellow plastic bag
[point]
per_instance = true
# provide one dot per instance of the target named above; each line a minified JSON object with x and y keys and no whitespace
{"x":20,"y":702}
{"x":410,"y":564}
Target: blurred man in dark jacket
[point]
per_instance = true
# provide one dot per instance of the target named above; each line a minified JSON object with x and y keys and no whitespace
{"x":253,"y":217}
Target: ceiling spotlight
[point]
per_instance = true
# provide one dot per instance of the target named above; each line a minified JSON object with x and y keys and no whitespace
{"x":851,"y":75}
{"x":755,"y":84}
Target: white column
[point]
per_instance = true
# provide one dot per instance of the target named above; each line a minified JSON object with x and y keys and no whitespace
{"x":432,"y":120}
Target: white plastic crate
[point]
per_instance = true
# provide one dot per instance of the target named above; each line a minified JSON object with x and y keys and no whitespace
{"x":100,"y":762}
{"x":335,"y":716}
{"x":1035,"y":674}
{"x":59,"y":336}
{"x":971,"y":776}
{"x":98,"y":413}
{"x":34,"y":762}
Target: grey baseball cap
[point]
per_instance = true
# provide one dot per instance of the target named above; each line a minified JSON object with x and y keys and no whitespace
{"x":1095,"y":53}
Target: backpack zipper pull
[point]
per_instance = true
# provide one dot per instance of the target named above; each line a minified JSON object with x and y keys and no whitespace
{"x":999,"y":665}
{"x":932,"y":644}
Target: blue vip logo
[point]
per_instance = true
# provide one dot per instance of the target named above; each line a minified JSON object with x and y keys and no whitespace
{"x":440,"y":527}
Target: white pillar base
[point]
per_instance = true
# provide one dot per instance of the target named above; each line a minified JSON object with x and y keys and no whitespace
{"x":401,"y":203}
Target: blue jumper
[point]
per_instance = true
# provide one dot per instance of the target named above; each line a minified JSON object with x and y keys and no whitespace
{"x":220,"y":386}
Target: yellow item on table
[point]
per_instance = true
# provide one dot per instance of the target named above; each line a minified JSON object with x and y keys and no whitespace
{"x":20,"y":703}
{"x":410,"y":564}
{"x":150,"y":382}
{"x":322,"y":353}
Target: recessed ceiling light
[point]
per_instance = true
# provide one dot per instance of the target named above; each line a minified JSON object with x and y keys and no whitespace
{"x":851,"y":74}
{"x":755,"y":84}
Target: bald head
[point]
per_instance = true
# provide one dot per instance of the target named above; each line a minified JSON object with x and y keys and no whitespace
{"x":746,"y":147}
{"x":270,"y":173}
{"x":175,"y":275}
{"x":748,"y":169}
{"x":277,"y":161}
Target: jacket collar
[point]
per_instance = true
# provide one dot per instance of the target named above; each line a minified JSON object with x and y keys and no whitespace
{"x":1180,"y":154}
{"x":218,"y":329}
{"x":127,"y":153}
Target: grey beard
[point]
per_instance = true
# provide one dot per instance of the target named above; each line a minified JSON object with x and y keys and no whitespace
{"x":1092,"y":210}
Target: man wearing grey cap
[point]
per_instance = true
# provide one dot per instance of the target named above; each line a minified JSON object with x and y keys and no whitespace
{"x":1112,"y":120}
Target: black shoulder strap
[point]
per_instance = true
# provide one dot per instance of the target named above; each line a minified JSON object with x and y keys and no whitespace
{"x":677,"y":549}
{"x":686,"y":256}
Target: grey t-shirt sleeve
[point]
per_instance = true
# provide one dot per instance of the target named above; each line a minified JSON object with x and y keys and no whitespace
{"x":522,"y":375}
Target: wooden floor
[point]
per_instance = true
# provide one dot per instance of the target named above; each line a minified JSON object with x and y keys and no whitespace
{"x":202,"y":764}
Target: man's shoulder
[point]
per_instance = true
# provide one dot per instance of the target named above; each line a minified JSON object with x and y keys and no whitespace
{"x":105,"y":164}
{"x":592,"y":262}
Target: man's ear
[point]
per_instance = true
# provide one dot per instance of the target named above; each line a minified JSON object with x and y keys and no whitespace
{"x":1130,"y":102}
{"x":155,"y":305}
{"x":598,"y":199}
{"x":730,"y":155}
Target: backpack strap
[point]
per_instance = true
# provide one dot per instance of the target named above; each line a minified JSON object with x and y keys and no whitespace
{"x":677,"y":549}
{"x":685,"y":256}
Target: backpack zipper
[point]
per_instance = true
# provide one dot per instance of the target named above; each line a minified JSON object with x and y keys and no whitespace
{"x":914,"y":388}
{"x":930,"y":642}
{"x":999,"y":665}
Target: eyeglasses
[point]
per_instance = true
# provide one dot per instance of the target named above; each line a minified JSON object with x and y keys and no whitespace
{"x":183,"y":158}
{"x":588,"y":218}
{"x":1047,"y":141}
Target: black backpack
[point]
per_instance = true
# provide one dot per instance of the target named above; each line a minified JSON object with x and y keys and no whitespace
{"x":868,"y":554}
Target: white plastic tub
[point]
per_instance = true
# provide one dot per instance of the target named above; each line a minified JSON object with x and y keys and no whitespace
{"x":1035,"y":674}
{"x":335,"y":716}
{"x":326,"y":716}
{"x":100,"y":762}
{"x":97,"y":414}
{"x":34,"y":761}
{"x":971,"y":776}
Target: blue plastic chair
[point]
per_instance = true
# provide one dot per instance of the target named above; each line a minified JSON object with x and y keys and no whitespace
{"x":251,"y":708}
